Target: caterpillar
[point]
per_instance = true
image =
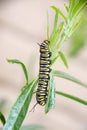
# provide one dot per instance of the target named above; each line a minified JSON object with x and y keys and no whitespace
{"x":44,"y":73}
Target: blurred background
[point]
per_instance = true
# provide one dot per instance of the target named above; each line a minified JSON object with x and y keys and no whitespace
{"x":22,"y":26}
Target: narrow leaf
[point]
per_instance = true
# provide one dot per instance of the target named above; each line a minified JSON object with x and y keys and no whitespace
{"x":15,"y":61}
{"x":68,"y":77}
{"x":55,"y":23}
{"x":56,"y":35}
{"x":71,"y":7}
{"x":2,"y":118}
{"x":59,"y":11}
{"x":63,"y":58}
{"x":74,"y":27}
{"x":20,"y":108}
{"x":78,"y":8}
{"x":51,"y":95}
{"x":77,"y":99}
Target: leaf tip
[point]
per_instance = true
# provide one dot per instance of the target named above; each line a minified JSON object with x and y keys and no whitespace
{"x":8,"y":60}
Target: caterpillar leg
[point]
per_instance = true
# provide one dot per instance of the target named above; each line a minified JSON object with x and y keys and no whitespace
{"x":33,"y":108}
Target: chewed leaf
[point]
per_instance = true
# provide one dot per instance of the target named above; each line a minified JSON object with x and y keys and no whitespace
{"x":63,"y":58}
{"x":68,"y":77}
{"x":2,"y":118}
{"x":77,"y":99}
{"x":51,"y":95}
{"x":15,"y":61}
{"x":20,"y":108}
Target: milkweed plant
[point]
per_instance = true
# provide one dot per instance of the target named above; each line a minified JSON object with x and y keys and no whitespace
{"x":60,"y":33}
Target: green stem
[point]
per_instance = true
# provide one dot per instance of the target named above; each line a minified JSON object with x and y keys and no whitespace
{"x":63,"y":38}
{"x":77,"y":99}
{"x":66,"y":34}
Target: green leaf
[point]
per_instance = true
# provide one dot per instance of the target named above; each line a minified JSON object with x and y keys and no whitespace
{"x":56,"y":35}
{"x":77,"y":99}
{"x":55,"y":23}
{"x":71,"y":6}
{"x":74,"y":27}
{"x":51,"y":95}
{"x":2,"y":118}
{"x":80,"y":6}
{"x":20,"y":108}
{"x":63,"y":58}
{"x":15,"y":61}
{"x":77,"y":8}
{"x":32,"y":127}
{"x":59,"y":11}
{"x":68,"y":77}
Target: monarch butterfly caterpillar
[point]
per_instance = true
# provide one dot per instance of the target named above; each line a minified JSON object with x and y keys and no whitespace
{"x":44,"y":73}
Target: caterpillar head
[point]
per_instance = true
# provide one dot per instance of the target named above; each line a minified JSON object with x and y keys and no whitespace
{"x":45,"y":44}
